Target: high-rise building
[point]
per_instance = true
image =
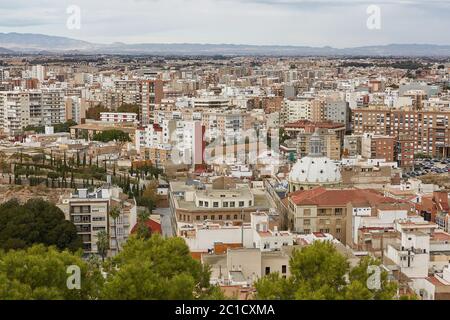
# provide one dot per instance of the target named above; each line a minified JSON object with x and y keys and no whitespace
{"x":151,"y":94}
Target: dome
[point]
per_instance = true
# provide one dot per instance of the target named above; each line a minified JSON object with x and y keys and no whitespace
{"x":315,"y":170}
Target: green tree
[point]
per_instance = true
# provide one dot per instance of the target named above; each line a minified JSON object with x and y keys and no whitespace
{"x":40,"y":273}
{"x":320,"y":272}
{"x":112,"y":135}
{"x":102,"y":244}
{"x":157,"y":268}
{"x":133,"y":108}
{"x":358,"y":280}
{"x":37,"y":221}
{"x":114,"y":213}
{"x":142,"y":230}
{"x":274,"y":287}
{"x":94,"y":112}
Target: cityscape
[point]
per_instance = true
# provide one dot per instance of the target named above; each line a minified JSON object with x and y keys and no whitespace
{"x":183,"y":170}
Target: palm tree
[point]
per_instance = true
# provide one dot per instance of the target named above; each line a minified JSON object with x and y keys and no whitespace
{"x":143,"y":231}
{"x":102,"y":244}
{"x":114,"y":213}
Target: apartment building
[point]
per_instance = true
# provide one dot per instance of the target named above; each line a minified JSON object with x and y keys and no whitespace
{"x":151,"y":92}
{"x":14,"y":112}
{"x":332,"y":210}
{"x":76,"y":109}
{"x":338,"y":112}
{"x":118,"y":117}
{"x":378,"y":147}
{"x":295,"y":110}
{"x":429,"y":129}
{"x":90,"y":212}
{"x":53,"y":107}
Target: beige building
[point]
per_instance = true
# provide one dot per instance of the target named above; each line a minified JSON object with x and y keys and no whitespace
{"x":90,"y":212}
{"x":221,"y":200}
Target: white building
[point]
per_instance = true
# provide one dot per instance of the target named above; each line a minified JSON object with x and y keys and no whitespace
{"x":203,"y":236}
{"x":118,"y":117}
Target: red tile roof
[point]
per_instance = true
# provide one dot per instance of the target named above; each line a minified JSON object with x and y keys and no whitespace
{"x":327,"y":197}
{"x":152,"y":225}
{"x":306,"y":124}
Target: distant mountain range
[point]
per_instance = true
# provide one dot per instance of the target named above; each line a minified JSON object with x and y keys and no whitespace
{"x":39,"y":43}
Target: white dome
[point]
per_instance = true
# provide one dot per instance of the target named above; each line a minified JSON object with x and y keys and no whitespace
{"x":313,"y":169}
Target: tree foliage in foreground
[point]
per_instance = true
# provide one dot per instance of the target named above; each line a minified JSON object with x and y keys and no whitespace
{"x":320,"y":272}
{"x":40,"y":273}
{"x":112,"y":135}
{"x":36,"y":221}
{"x":154,"y":268}
{"x":157,"y":268}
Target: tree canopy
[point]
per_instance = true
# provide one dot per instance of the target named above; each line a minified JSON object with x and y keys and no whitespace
{"x":57,"y":128}
{"x":320,"y":272}
{"x":112,"y":135}
{"x":128,"y":107}
{"x":41,"y":273}
{"x":34,"y":222}
{"x":94,"y":112}
{"x":157,"y":268}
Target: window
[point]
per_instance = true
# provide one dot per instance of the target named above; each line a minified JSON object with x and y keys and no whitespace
{"x":235,"y":217}
{"x":338,"y":211}
{"x":306,"y":212}
{"x":205,"y":217}
{"x":267,"y":270}
{"x":220,"y":217}
{"x":197,"y":218}
{"x":225,"y":204}
{"x":206,"y":204}
{"x":307,"y":222}
{"x":232,"y":204}
{"x":215,"y":204}
{"x":283,"y":268}
{"x":307,"y":231}
{"x":338,"y":230}
{"x":241,"y":203}
{"x":250,"y":203}
{"x":228,"y":217}
{"x":212,"y":217}
{"x":200,"y":203}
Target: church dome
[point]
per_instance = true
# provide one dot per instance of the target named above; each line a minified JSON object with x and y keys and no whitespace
{"x":315,"y":168}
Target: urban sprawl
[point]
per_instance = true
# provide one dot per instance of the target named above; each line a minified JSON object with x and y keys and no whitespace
{"x":238,"y":177}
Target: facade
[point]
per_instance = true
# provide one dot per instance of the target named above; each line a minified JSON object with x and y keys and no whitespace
{"x":118,"y":117}
{"x":90,"y":212}
{"x":19,"y":109}
{"x":331,"y":210}
{"x":429,"y":129}
{"x":378,"y":147}
{"x":195,"y":202}
{"x":338,"y":112}
{"x":151,"y":94}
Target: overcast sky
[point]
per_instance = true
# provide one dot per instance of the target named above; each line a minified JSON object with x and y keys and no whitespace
{"x":338,"y":23}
